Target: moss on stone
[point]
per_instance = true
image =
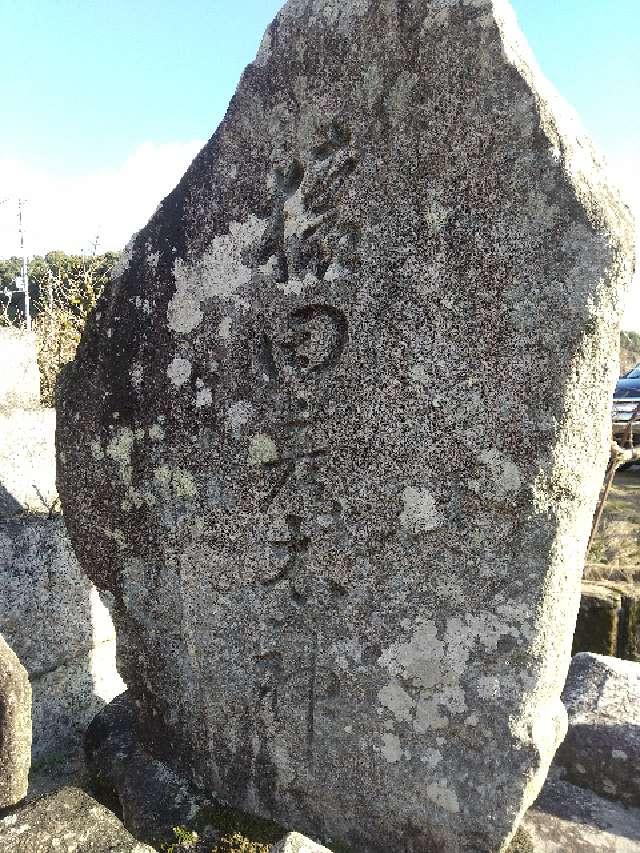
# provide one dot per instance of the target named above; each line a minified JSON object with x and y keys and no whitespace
{"x":218,"y":829}
{"x":521,"y":843}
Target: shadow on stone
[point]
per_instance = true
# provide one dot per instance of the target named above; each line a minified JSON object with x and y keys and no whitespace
{"x":154,"y":802}
{"x":53,"y":619}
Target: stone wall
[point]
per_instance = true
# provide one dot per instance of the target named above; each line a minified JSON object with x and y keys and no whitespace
{"x":50,"y":613}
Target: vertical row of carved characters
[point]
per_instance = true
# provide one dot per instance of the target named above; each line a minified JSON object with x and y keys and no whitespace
{"x":308,"y":252}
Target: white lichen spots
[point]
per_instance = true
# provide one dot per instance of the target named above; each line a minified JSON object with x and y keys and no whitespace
{"x":488,"y":687}
{"x":336,"y":272}
{"x":437,"y":215}
{"x":136,"y":374}
{"x":264,"y":51}
{"x":395,"y":699}
{"x":431,"y":757}
{"x":444,"y":796}
{"x":401,"y":96}
{"x":419,"y":373}
{"x":609,"y":786}
{"x":96,"y":451}
{"x":156,"y":432}
{"x":219,"y":273}
{"x":204,"y":397}
{"x":238,"y":415}
{"x":122,"y":264}
{"x":391,"y":748}
{"x":419,"y":514}
{"x":419,"y":659}
{"x":297,"y":221}
{"x":153,"y":258}
{"x":262,"y":449}
{"x":505,"y":475}
{"x":372,"y":83}
{"x":296,"y":286}
{"x":224,"y":328}
{"x":179,"y":371}
{"x":619,"y":754}
{"x":119,"y":450}
{"x":178,"y":480}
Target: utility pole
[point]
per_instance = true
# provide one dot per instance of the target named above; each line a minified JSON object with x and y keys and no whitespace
{"x":25,"y":276}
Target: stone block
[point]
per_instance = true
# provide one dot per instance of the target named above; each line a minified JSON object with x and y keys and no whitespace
{"x":53,"y":617}
{"x":629,"y":630}
{"x":20,"y":377}
{"x":602,"y":748}
{"x":598,"y":618}
{"x":27,"y":462}
{"x":335,"y":433}
{"x":609,"y":620}
{"x":570,"y":819}
{"x":15,"y":727}
{"x":68,"y":821}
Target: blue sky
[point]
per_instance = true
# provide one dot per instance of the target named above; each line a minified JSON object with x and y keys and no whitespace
{"x":104,"y":94}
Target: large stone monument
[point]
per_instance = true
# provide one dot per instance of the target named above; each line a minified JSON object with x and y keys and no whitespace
{"x":334,"y":435}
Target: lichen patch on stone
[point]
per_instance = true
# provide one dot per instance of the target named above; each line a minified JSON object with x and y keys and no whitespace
{"x":217,"y":274}
{"x":179,"y":371}
{"x":419,"y":514}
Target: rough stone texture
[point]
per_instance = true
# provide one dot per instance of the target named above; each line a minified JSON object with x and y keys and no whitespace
{"x":629,"y":630}
{"x":27,"y":462}
{"x":15,"y":727}
{"x":598,"y":618}
{"x":69,"y":821}
{"x":568,"y":819}
{"x":602,"y":747}
{"x":152,"y":799}
{"x":334,"y":436}
{"x":53,"y":618}
{"x":19,"y":378}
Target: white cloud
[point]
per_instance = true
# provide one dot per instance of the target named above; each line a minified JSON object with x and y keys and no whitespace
{"x":67,"y":212}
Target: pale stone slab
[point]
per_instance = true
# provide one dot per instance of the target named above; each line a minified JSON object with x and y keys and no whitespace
{"x":602,"y":747}
{"x":27,"y":462}
{"x":70,"y":821}
{"x":15,"y":727}
{"x":569,"y":819}
{"x":335,"y":434}
{"x":20,"y":377}
{"x":53,"y":618}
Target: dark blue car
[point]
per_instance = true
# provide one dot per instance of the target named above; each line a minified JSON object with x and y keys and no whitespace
{"x":626,"y":402}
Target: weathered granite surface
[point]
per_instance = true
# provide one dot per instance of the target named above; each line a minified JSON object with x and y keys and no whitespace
{"x":50,"y":613}
{"x":53,"y":618}
{"x":569,"y":819}
{"x":153,"y":799}
{"x":334,"y":436}
{"x":15,"y":727}
{"x":19,"y":378}
{"x":602,"y":747}
{"x":69,"y":821}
